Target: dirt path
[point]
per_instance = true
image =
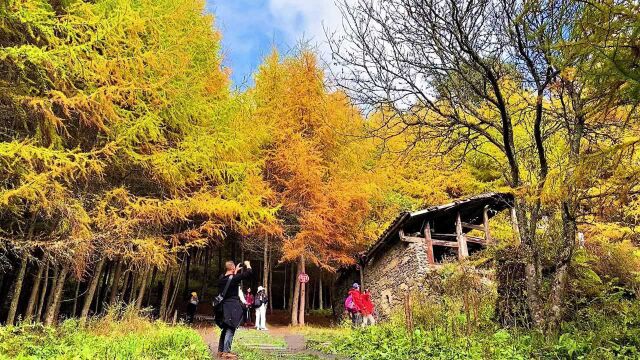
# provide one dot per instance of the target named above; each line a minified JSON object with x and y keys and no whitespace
{"x":279,"y":342}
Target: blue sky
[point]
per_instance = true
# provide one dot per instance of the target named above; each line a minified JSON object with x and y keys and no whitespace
{"x":251,"y":28}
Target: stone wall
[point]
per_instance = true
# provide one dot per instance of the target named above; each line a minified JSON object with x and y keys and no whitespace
{"x":393,"y":273}
{"x":388,"y":276}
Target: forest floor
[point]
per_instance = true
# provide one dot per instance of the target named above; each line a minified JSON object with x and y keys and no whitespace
{"x":279,"y":342}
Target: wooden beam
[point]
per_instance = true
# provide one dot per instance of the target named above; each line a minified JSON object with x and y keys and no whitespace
{"x":428,"y":244}
{"x":475,"y":240}
{"x":485,"y":224}
{"x":452,"y":237}
{"x":444,"y":243}
{"x":411,"y":239}
{"x":472,"y":226}
{"x":462,"y":241}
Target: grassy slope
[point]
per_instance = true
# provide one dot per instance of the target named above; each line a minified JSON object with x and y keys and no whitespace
{"x":128,"y":338}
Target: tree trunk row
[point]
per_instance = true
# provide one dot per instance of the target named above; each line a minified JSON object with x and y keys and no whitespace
{"x":112,"y":281}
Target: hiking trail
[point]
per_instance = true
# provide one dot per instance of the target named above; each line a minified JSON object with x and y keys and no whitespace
{"x":279,"y":342}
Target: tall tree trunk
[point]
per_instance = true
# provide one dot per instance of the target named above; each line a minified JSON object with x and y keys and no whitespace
{"x":1,"y":285}
{"x":265,"y":264}
{"x":53,"y":309}
{"x":91,"y":290}
{"x":176,"y":288}
{"x":165,"y":293}
{"x":284,"y":288}
{"x":301,"y":308}
{"x":54,"y":284}
{"x":270,"y":287}
{"x":133,"y":280}
{"x":43,"y":292}
{"x":186,"y":291}
{"x":17,"y":289}
{"x":114,"y":283}
{"x":220,"y":268}
{"x":331,"y":300}
{"x":205,"y":277}
{"x":233,"y":248}
{"x":295,"y":298}
{"x":561,"y":276}
{"x":102,"y":288}
{"x":34,"y":292}
{"x":320,"y":298}
{"x":74,"y":309}
{"x":312,"y":294}
{"x":125,"y":285}
{"x":151,"y":284}
{"x":527,"y":225}
{"x":292,"y":277}
{"x":143,"y":286}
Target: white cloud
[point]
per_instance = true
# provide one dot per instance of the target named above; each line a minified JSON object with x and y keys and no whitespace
{"x":306,"y":20}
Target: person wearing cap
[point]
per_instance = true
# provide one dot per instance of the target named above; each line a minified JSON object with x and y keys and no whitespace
{"x":260,"y":303}
{"x":354,"y":305}
{"x":192,"y":306}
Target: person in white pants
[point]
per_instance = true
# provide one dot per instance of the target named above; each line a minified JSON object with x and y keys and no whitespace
{"x":260,"y":303}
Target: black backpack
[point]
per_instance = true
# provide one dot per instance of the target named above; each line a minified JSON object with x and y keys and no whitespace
{"x":257,"y":301}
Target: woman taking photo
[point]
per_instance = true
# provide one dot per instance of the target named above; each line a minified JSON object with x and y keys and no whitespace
{"x":229,"y":313}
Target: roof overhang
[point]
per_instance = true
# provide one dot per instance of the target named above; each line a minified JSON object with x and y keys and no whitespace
{"x":442,"y":218}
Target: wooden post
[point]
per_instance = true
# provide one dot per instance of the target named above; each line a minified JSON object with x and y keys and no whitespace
{"x":428,"y":244}
{"x":408,"y":312}
{"x":485,"y":220}
{"x":462,"y":240}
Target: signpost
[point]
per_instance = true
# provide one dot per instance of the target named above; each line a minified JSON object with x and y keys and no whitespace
{"x":303,"y":278}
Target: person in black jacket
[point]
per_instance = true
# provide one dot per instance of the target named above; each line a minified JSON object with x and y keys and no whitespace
{"x":192,"y":307}
{"x":228,"y":315}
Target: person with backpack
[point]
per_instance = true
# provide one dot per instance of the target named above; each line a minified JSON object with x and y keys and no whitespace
{"x":260,"y":304}
{"x":353,"y":304}
{"x":367,"y":309}
{"x":227,"y":307}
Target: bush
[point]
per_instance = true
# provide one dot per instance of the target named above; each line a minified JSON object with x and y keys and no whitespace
{"x":130,"y":337}
{"x":597,"y":334}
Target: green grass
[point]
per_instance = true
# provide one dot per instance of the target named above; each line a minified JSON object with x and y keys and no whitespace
{"x":128,"y":338}
{"x":595,"y":335}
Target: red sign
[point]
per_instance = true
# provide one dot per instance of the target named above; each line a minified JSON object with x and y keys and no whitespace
{"x":303,"y":278}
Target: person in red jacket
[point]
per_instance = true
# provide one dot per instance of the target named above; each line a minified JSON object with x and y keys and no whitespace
{"x":247,"y":308}
{"x":367,"y":309}
{"x":353,"y":304}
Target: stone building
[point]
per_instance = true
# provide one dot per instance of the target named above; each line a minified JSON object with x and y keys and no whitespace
{"x":415,"y":243}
